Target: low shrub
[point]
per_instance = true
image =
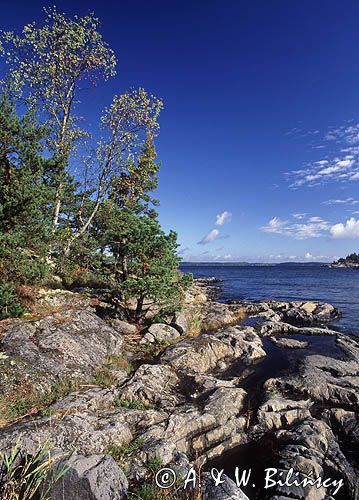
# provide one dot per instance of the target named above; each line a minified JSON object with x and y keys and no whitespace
{"x":10,"y":306}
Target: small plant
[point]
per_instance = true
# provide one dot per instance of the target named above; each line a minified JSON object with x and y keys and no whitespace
{"x":148,"y":491}
{"x":120,"y":453}
{"x":104,"y":378}
{"x":194,"y":325}
{"x":104,"y":375}
{"x":119,"y":362}
{"x":9,"y":305}
{"x":134,"y":404}
{"x":28,"y":477}
{"x":154,"y":465}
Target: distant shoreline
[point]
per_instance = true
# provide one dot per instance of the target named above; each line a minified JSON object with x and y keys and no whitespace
{"x":258,"y":264}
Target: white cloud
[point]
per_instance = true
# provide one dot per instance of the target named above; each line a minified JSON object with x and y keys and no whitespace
{"x":345,"y":167}
{"x":299,"y":216}
{"x":315,"y":219}
{"x":312,"y":258}
{"x":223,"y":218}
{"x":310,"y":227}
{"x":345,"y":201}
{"x":341,"y":165}
{"x":348,"y":230}
{"x":212,"y":235}
{"x":275,"y":225}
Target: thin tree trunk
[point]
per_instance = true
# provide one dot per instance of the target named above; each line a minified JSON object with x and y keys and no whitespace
{"x":57,"y":206}
{"x":138,"y":313}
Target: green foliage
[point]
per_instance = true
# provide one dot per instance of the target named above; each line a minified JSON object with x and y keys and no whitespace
{"x":119,"y":362}
{"x":104,"y":377}
{"x":24,"y":197}
{"x":120,"y":453}
{"x":100,"y":228}
{"x":134,"y":404}
{"x":149,"y":263}
{"x":154,"y":465}
{"x":148,"y":491}
{"x":9,"y":305}
{"x":48,"y":62}
{"x":29,"y":477}
{"x":352,"y":258}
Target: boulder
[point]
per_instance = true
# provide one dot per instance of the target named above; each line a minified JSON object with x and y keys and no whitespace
{"x":93,"y":399}
{"x":179,"y":321}
{"x":63,"y":299}
{"x":210,"y":429}
{"x":89,"y":433}
{"x":195,"y":295}
{"x":324,"y":380}
{"x":92,"y":477}
{"x":122,"y":327}
{"x":278,"y":412}
{"x":153,"y":384}
{"x":282,"y":328}
{"x":309,"y":313}
{"x":160,"y":332}
{"x":311,"y":448}
{"x":207,"y":352}
{"x":71,"y":344}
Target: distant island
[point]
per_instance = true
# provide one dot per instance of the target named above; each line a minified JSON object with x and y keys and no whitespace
{"x":351,"y":260}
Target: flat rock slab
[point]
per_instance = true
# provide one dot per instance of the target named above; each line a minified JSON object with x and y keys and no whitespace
{"x":73,"y":343}
{"x":289,"y":343}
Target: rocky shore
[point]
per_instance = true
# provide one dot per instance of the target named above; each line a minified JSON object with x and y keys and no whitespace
{"x":253,"y":385}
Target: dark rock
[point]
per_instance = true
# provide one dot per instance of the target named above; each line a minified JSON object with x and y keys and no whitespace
{"x":94,"y":477}
{"x":312,"y":448}
{"x":228,"y":490}
{"x":179,"y":321}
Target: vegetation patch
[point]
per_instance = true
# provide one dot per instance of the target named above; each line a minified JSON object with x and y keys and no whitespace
{"x":28,"y":477}
{"x":26,"y":400}
{"x":121,"y":453}
{"x":134,"y":404}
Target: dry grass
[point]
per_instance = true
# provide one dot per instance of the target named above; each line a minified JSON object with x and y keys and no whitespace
{"x":195,"y":325}
{"x":25,"y":400}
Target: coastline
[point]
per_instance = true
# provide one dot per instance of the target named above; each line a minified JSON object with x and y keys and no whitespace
{"x":217,"y":385}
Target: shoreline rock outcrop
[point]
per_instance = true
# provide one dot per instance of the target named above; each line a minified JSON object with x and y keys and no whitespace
{"x":214,"y":398}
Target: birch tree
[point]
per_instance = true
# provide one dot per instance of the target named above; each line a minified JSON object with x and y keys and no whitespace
{"x":124,"y":166}
{"x":48,"y":65}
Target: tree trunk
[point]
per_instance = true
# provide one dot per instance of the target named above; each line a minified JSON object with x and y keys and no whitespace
{"x":138,"y":313}
{"x":57,"y":206}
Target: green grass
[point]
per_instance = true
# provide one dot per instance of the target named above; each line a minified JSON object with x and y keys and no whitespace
{"x":134,"y":404}
{"x":25,"y":399}
{"x":148,"y":491}
{"x":121,"y":453}
{"x":29,"y":477}
{"x":104,"y":376}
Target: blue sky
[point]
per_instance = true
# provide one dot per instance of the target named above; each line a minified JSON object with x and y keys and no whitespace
{"x":259,"y":136}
